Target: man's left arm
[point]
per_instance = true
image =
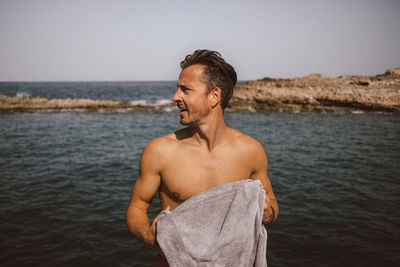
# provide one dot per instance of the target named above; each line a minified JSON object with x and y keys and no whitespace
{"x":259,"y":159}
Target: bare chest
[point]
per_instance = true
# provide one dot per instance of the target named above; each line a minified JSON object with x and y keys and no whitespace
{"x":191,"y":173}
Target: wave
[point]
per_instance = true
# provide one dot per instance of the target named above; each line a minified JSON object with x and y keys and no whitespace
{"x":150,"y":103}
{"x":23,"y":94}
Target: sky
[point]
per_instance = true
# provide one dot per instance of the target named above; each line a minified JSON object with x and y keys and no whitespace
{"x":82,"y":40}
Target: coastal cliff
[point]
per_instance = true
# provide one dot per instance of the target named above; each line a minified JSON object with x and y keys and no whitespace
{"x":313,"y":93}
{"x":320,"y":94}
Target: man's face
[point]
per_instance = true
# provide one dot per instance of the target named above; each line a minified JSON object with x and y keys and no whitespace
{"x":191,"y":95}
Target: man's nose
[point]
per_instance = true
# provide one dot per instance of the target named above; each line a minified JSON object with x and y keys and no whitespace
{"x":177,"y":96}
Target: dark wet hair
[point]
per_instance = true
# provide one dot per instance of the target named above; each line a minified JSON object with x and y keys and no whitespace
{"x":218,"y":73}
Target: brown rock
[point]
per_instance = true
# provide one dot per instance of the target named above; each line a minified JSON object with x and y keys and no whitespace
{"x":393,"y":72}
{"x":317,"y":93}
{"x":39,"y":103}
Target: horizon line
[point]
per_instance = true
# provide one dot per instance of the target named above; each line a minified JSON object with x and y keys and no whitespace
{"x":166,"y":80}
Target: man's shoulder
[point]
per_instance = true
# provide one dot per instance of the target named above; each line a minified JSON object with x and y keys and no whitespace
{"x":251,"y":151}
{"x":166,"y":142}
{"x":161,"y":142}
{"x":246,"y":142}
{"x":243,"y":138}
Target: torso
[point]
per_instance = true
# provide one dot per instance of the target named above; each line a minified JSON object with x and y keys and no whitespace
{"x":188,"y":170}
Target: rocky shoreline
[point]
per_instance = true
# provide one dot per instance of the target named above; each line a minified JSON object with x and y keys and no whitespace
{"x":17,"y":103}
{"x":313,"y":93}
{"x":321,"y":94}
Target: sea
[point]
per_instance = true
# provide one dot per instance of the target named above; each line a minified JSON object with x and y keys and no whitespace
{"x":66,"y":178}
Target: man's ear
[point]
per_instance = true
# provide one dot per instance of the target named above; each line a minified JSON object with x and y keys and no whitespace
{"x":215,"y":96}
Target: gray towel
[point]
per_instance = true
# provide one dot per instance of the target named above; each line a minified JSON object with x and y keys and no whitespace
{"x":221,"y":226}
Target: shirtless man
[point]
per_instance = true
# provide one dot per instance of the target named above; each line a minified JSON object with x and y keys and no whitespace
{"x":205,"y":154}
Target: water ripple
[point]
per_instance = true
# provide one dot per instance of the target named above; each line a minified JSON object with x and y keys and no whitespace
{"x":66,"y":180}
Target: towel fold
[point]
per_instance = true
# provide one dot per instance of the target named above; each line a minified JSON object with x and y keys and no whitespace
{"x":221,"y":226}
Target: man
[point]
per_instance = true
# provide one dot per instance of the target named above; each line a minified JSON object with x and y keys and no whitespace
{"x":205,"y":154}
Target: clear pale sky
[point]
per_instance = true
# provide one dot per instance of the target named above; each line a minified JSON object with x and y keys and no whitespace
{"x":83,"y":40}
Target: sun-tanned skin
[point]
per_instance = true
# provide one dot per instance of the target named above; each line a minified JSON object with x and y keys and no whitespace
{"x":203,"y":155}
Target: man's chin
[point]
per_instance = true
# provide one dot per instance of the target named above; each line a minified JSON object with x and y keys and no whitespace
{"x":183,"y":122}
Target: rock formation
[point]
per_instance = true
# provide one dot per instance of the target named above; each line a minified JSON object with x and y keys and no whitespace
{"x":317,"y":93}
{"x":41,"y":103}
{"x":310,"y":93}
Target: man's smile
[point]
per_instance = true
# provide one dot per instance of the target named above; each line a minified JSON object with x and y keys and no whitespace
{"x":182,"y":110}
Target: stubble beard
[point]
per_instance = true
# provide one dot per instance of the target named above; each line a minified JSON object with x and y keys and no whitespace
{"x":198,"y":117}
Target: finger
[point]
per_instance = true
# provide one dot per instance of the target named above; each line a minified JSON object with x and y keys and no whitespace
{"x":267,"y":202}
{"x":153,"y":225}
{"x":156,"y":218}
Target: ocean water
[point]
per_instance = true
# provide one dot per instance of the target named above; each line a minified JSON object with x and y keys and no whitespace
{"x":66,"y":179}
{"x":136,"y":92}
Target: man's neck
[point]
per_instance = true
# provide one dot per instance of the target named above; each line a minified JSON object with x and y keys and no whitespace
{"x":210,"y":132}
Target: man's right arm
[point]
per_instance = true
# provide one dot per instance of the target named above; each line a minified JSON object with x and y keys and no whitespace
{"x":144,"y":190}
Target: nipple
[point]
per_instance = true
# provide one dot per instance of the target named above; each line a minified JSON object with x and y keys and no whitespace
{"x":175,"y":195}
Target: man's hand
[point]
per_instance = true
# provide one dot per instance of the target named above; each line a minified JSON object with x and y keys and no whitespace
{"x":269,"y":213}
{"x":151,"y":234}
